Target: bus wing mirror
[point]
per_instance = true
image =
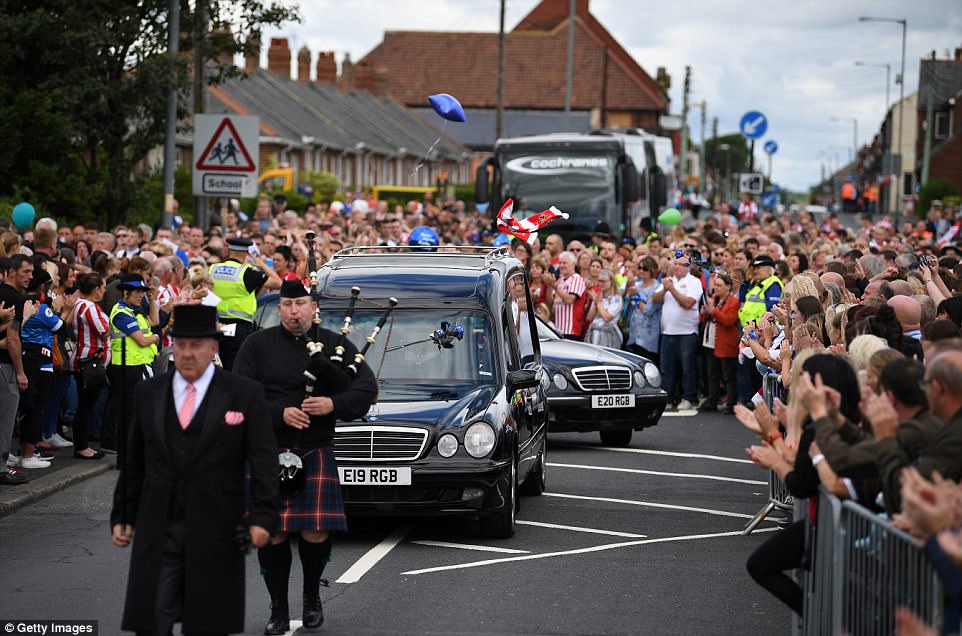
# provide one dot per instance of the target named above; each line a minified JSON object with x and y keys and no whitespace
{"x":659,"y":190}
{"x":481,"y":183}
{"x":631,"y":184}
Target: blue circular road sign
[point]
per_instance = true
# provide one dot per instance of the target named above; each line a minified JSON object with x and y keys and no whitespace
{"x":753,"y":125}
{"x":771,"y":147}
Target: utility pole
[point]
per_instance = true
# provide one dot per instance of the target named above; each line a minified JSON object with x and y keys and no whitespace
{"x":173,"y":49}
{"x":571,"y":61}
{"x":499,"y":112}
{"x":714,"y":153}
{"x":929,"y":115}
{"x":201,"y":216}
{"x":683,"y":153}
{"x":701,"y":152}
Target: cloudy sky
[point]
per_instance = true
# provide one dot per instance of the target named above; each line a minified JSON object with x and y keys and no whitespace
{"x":793,"y":60}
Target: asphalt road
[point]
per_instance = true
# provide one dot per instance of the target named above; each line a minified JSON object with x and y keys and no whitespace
{"x":644,"y":540}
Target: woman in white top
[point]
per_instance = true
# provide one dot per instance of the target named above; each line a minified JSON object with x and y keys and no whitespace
{"x":604,"y":313}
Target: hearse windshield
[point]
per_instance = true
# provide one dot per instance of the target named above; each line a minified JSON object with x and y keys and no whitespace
{"x":434,"y":347}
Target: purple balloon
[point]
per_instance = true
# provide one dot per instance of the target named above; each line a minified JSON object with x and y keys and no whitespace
{"x":447,"y":107}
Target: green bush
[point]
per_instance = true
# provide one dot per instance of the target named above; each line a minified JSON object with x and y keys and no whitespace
{"x":325,"y":184}
{"x":940,"y":189}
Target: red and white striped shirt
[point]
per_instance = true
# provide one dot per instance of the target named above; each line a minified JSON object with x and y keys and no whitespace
{"x":93,"y":331}
{"x":564,"y":313}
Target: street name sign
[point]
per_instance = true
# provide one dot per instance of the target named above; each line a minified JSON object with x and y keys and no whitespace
{"x":752,"y":182}
{"x":226,"y":153}
{"x":753,"y":125}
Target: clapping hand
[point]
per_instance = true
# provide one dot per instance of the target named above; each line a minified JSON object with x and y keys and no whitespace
{"x":748,"y":419}
{"x":6,"y":313}
{"x":929,"y":507}
{"x":880,"y":414}
{"x":764,"y":456}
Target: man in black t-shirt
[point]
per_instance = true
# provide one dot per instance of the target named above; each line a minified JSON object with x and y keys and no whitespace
{"x":18,"y":272}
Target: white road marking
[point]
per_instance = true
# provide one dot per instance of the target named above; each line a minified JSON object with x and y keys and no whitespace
{"x":685,"y":413}
{"x":541,"y":524}
{"x":372,"y":556}
{"x":469,"y":546}
{"x":597,"y":548}
{"x":659,"y":472}
{"x":645,"y":451}
{"x":652,"y":504}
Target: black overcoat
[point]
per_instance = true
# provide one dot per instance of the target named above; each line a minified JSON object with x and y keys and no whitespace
{"x":213,"y":505}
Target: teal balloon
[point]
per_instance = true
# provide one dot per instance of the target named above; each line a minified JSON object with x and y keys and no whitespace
{"x":671,"y":216}
{"x":23,"y":215}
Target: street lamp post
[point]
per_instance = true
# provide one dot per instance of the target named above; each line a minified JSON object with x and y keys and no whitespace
{"x":901,"y":79}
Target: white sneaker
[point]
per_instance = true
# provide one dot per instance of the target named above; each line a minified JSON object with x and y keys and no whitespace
{"x":13,"y":460}
{"x":57,"y":441}
{"x":685,"y":405}
{"x":33,"y":462}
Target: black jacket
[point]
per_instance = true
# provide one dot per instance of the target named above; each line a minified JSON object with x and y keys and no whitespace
{"x":213,"y":486}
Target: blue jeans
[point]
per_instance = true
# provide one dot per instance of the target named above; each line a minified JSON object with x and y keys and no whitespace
{"x":61,"y":403}
{"x":678,"y":356}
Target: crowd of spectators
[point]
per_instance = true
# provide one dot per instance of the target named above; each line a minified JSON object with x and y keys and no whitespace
{"x":861,"y":326}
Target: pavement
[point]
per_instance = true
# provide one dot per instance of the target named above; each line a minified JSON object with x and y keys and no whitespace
{"x":64,"y":471}
{"x":645,"y":539}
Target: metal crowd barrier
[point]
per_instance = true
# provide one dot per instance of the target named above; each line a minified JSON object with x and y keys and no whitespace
{"x":862,"y":570}
{"x":778,"y":496}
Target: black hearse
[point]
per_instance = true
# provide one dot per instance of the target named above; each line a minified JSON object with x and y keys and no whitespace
{"x":461,"y":416}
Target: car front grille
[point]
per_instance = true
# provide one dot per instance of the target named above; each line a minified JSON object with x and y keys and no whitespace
{"x":379,"y":443}
{"x":603,"y":378}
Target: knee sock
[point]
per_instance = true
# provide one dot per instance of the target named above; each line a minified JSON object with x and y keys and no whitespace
{"x":275,"y":562}
{"x":314,"y":556}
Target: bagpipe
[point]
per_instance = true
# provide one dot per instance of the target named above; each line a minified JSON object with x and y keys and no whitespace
{"x":327,"y":374}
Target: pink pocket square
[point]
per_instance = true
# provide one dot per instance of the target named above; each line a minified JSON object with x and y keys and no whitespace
{"x":234,"y":418}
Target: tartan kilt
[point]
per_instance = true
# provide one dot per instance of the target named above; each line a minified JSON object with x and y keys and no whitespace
{"x":319,"y":506}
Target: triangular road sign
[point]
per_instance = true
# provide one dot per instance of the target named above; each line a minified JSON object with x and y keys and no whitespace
{"x":226,"y":151}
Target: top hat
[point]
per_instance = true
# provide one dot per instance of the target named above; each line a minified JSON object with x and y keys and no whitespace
{"x":194,"y":321}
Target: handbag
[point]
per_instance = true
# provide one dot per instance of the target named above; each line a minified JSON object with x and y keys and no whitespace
{"x":93,"y":372}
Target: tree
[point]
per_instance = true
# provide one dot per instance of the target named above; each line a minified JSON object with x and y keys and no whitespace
{"x":83,"y":92}
{"x":940,"y":189}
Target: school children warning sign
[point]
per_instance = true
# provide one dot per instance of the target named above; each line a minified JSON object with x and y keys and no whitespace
{"x":226,"y":151}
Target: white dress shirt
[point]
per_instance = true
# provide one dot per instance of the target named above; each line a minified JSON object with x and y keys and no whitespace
{"x":200,"y":388}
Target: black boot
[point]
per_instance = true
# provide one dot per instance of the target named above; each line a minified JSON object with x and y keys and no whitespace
{"x":314,"y":556}
{"x":275,"y":561}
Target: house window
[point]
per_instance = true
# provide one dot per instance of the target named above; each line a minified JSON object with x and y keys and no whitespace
{"x":943,"y":125}
{"x":908,"y":184}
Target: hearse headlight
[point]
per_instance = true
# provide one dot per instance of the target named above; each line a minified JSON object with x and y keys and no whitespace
{"x":447,"y":445}
{"x":653,"y":374}
{"x":560,"y":381}
{"x":479,"y":439}
{"x":639,"y":379}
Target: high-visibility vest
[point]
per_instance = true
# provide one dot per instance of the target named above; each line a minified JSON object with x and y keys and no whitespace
{"x":236,"y":303}
{"x":135,"y":354}
{"x":754,"y":306}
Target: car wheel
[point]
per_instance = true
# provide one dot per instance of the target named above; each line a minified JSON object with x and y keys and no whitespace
{"x":534,"y":485}
{"x":616,"y":438}
{"x":500,"y":523}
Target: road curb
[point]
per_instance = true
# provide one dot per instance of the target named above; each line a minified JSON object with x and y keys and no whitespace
{"x":12,"y":498}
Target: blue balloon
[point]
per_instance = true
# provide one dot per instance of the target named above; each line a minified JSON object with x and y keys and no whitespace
{"x":482,"y":207}
{"x":447,"y":107}
{"x":23,"y":215}
{"x":423,"y":239}
{"x":501,"y":239}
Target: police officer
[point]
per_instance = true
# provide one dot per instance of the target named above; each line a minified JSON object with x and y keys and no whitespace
{"x":276,"y":358}
{"x":236,"y":283}
{"x":132,"y":350}
{"x":764,"y":292}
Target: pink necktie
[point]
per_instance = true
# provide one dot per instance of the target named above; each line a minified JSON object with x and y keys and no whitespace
{"x":186,"y":412}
